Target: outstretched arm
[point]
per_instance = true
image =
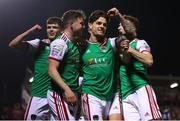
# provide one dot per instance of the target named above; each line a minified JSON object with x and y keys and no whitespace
{"x":18,"y":42}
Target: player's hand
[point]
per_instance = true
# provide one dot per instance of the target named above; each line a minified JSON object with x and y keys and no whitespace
{"x":124,"y":45}
{"x":70,"y":97}
{"x":36,"y":28}
{"x":113,"y":12}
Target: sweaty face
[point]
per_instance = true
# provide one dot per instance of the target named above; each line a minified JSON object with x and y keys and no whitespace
{"x":98,"y":27}
{"x":121,"y":29}
{"x":78,"y":26}
{"x":53,"y":30}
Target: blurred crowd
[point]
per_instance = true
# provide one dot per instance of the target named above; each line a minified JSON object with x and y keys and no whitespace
{"x":13,"y":112}
{"x":168,"y":100}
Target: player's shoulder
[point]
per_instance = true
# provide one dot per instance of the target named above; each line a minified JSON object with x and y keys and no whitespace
{"x":61,"y":39}
{"x":139,"y":40}
{"x":47,"y":41}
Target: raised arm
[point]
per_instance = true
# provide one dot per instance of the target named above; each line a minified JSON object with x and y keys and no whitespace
{"x":19,"y":41}
{"x":128,"y":27}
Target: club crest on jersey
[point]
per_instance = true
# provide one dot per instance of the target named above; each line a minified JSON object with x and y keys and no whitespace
{"x":90,"y":61}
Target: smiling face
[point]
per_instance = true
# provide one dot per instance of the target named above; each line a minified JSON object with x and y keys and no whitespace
{"x":53,"y":30}
{"x":98,"y":27}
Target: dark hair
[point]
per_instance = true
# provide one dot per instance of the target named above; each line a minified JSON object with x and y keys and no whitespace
{"x":134,"y":21}
{"x":96,"y":15}
{"x":54,"y":20}
{"x":71,"y":15}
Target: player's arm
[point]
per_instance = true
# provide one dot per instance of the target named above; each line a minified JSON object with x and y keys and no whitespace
{"x":144,"y":57}
{"x":141,"y":53}
{"x":19,"y":41}
{"x":56,"y":55}
{"x":128,"y":27}
{"x":124,"y":55}
{"x":53,"y":72}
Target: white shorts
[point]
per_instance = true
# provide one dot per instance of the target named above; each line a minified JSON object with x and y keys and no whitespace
{"x":37,"y":109}
{"x":95,"y":108}
{"x":141,"y":105}
{"x":116,"y":106}
{"x":59,"y":109}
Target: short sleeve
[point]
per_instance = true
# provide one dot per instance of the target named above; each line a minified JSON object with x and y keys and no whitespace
{"x":142,"y":46}
{"x":34,"y":43}
{"x":58,"y":48}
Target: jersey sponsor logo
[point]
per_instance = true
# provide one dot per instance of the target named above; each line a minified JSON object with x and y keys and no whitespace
{"x":97,"y":61}
{"x":57,"y":49}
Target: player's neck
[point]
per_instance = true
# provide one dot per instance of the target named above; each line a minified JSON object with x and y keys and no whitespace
{"x":68,"y":34}
{"x":96,"y":39}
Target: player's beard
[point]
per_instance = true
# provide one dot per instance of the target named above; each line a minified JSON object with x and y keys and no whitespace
{"x":77,"y":35}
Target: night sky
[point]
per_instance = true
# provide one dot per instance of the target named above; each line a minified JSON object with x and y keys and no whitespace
{"x":159,"y":21}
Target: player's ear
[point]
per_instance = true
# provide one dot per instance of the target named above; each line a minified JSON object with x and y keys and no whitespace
{"x":89,"y":26}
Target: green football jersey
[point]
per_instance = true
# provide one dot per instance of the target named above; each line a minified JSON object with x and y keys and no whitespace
{"x":134,"y":74}
{"x":65,"y":51}
{"x":98,"y":70}
{"x":42,"y":80}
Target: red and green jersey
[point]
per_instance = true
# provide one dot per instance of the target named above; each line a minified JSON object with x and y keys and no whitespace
{"x":42,"y":80}
{"x":65,"y":51}
{"x":134,"y":74}
{"x":98,"y":70}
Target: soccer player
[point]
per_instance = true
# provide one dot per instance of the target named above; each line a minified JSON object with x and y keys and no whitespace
{"x":64,"y":68}
{"x":38,"y":108}
{"x":138,"y":98}
{"x":116,"y":112}
{"x":98,"y":69}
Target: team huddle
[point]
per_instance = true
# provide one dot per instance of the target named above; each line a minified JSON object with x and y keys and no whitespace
{"x":114,"y":70}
